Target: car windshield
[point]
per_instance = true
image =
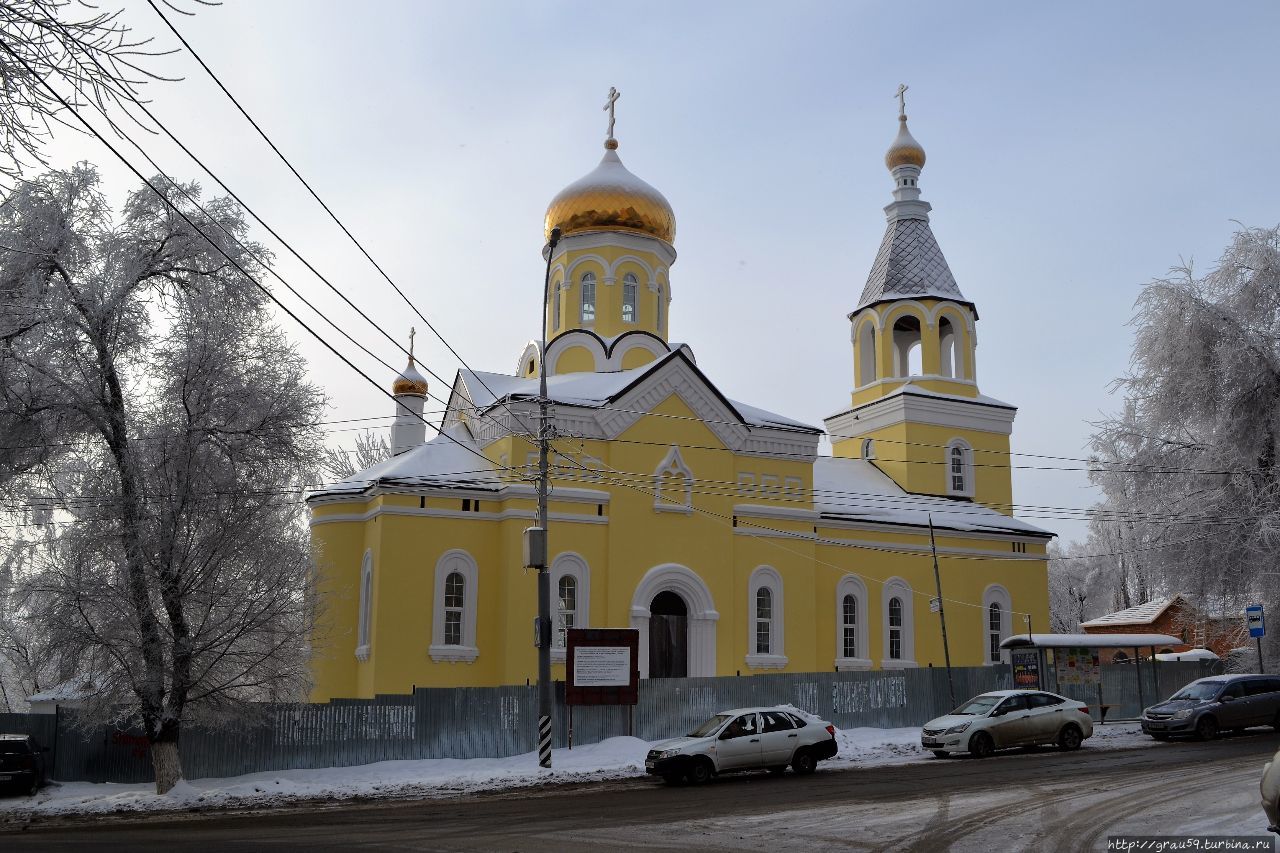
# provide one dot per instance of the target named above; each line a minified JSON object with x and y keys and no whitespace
{"x":709,"y":726}
{"x":1199,"y":690}
{"x":977,"y":706}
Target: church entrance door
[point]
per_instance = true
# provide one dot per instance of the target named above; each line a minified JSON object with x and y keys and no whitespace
{"x":668,"y":636}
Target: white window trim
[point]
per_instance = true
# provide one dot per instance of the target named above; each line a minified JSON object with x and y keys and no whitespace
{"x":555,"y":306}
{"x":629,"y":280}
{"x":572,"y":565}
{"x":463,"y":563}
{"x":582,"y":299}
{"x":967,"y":465}
{"x":897,"y":587}
{"x":852,"y":585}
{"x":996,"y":594}
{"x":673,"y":463}
{"x":364,"y":625}
{"x":768,"y":578}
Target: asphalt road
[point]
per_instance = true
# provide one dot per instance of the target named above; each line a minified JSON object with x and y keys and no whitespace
{"x":1043,"y":800}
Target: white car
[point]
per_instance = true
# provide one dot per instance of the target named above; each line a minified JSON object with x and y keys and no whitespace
{"x":1269,"y":787}
{"x":743,"y":739}
{"x":1004,"y":718}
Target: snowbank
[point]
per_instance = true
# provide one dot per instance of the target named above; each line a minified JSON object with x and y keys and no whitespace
{"x":616,"y":758}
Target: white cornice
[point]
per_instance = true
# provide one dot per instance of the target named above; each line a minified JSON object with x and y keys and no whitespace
{"x":457,"y":514}
{"x":954,"y":412}
{"x":602,"y":239}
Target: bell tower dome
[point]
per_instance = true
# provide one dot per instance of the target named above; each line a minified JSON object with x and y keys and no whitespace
{"x":610,"y":287}
{"x":916,"y":408}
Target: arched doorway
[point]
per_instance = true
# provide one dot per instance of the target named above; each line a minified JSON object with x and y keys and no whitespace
{"x":668,"y":636}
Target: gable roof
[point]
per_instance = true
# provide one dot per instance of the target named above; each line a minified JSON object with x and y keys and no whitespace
{"x":450,"y":460}
{"x":1142,"y":614}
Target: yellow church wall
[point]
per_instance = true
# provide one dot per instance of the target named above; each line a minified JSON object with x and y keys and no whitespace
{"x":645,"y":265}
{"x":637,"y":357}
{"x":575,"y":360}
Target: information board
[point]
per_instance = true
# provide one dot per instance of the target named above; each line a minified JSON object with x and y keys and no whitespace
{"x":602,"y":666}
{"x":1026,"y":668}
{"x":1253,"y":614}
{"x":1077,"y":666}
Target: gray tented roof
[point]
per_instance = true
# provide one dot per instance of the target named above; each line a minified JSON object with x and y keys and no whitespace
{"x":909,"y":265}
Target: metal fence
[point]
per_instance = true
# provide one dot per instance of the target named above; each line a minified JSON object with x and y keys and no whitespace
{"x":472,"y":722}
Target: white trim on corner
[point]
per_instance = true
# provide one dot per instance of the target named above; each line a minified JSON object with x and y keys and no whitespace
{"x":455,"y":560}
{"x":767,"y":577}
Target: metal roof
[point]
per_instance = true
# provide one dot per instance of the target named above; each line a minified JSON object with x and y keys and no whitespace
{"x":1097,"y":641}
{"x":909,"y":265}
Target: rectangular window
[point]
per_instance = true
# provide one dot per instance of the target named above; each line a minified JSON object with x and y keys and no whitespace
{"x":629,"y":303}
{"x":850,"y":641}
{"x":895,"y":644}
{"x":995,"y":647}
{"x":762,"y":637}
{"x":453,"y":627}
{"x":588,"y":301}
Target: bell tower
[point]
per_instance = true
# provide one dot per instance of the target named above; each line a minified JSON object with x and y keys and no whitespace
{"x":916,"y":411}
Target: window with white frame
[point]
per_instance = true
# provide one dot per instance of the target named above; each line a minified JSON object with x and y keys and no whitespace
{"x":765,"y":625}
{"x":453,"y":628}
{"x":571,"y":580}
{"x":851,"y":644}
{"x":997,"y":612}
{"x":566,"y":608}
{"x":364,"y":630}
{"x":588,"y":297}
{"x":899,"y":624}
{"x":555,"y":306}
{"x":959,"y":466}
{"x":673,"y":484}
{"x":630,"y":291}
{"x":868,"y":448}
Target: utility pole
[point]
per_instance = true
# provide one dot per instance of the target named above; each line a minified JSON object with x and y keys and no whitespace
{"x":942,"y":613}
{"x":536,"y":536}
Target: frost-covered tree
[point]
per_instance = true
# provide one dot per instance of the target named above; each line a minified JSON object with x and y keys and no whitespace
{"x":1191,"y":468}
{"x":180,"y":426}
{"x":341,"y":463}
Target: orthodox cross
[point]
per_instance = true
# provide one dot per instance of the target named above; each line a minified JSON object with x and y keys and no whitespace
{"x":901,"y":95}
{"x":613,"y":99}
{"x":412,"y":332}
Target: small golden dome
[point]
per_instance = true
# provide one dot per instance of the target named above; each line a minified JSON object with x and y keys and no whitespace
{"x":410,"y":381}
{"x":904,"y":151}
{"x":610,"y":198}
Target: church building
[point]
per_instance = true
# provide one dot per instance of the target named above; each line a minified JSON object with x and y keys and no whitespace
{"x":713,"y":527}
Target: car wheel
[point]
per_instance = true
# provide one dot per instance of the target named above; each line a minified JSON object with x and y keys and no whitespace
{"x":1070,"y":738}
{"x":34,"y":787}
{"x":778,"y":771}
{"x":981,"y":745}
{"x":1159,"y":736}
{"x":700,"y":772}
{"x":804,"y":763}
{"x":1206,"y":728}
{"x":939,"y":753}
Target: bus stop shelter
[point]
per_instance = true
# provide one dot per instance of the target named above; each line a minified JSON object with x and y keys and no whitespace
{"x":1039,"y":643}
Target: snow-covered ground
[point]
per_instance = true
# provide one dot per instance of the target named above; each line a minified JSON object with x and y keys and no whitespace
{"x":616,"y":758}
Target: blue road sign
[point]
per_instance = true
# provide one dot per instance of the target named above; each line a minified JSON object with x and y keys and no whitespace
{"x":1253,"y":614}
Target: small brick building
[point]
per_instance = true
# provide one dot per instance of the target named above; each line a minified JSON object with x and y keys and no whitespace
{"x":1177,"y":616}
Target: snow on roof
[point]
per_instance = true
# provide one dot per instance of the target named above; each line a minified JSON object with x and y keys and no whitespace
{"x":1096,"y":641}
{"x":1194,"y":654}
{"x":857,"y":489}
{"x":79,"y":687}
{"x":451,"y":459}
{"x":594,"y":390}
{"x":1143,"y":614}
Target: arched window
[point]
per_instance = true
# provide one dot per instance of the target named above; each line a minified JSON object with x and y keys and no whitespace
{"x":866,"y":354}
{"x":849,"y":627}
{"x":852,"y":646}
{"x":764,"y":621}
{"x":948,"y":355}
{"x":673,"y":484}
{"x":1120,"y":657}
{"x":453,"y":623}
{"x":555,"y":306}
{"x":895,"y":628}
{"x":906,"y":346}
{"x":455,"y":597}
{"x":630,"y":290}
{"x":899,"y":625}
{"x":868,"y":448}
{"x":364,"y":630}
{"x":658,"y":327}
{"x":765,"y":625}
{"x":995,"y":630}
{"x":588,"y":297}
{"x":959,"y":461}
{"x":996,"y":614}
{"x":571,"y":579}
{"x":567,"y":609}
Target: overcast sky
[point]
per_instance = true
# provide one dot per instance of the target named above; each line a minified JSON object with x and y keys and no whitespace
{"x":1075,"y":151}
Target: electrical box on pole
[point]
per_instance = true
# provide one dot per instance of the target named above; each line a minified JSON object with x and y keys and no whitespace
{"x":535,"y":548}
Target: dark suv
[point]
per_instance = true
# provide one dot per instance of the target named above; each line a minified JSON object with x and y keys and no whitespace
{"x":22,"y":763}
{"x":1209,"y":705}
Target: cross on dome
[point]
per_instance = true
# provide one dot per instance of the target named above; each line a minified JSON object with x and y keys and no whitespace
{"x":901,"y":95}
{"x":412,"y":332}
{"x":614,"y":94}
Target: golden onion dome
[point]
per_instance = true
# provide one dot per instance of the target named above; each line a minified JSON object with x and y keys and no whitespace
{"x":904,"y":151}
{"x":610,"y":198}
{"x":410,"y":381}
